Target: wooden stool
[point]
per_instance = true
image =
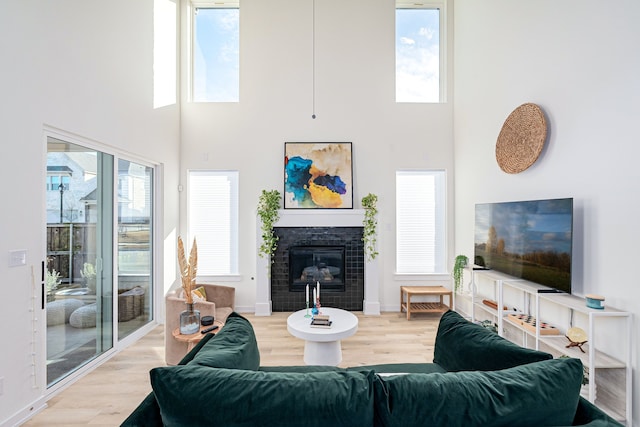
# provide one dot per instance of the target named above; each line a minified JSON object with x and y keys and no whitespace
{"x":424,"y":307}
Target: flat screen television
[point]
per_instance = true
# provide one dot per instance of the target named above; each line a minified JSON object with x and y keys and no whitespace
{"x":531,"y":240}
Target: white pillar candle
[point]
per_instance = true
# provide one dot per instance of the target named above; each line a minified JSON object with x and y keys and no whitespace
{"x":314,"y":295}
{"x":307,"y":295}
{"x":318,"y":285}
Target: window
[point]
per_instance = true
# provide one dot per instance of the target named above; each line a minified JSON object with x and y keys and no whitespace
{"x":418,"y":52}
{"x":216,"y":53}
{"x":58,"y":175}
{"x":213,"y":220}
{"x":420,"y":221}
{"x":54,"y":182}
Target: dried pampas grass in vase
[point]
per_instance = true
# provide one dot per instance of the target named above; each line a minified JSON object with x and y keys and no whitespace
{"x":190,"y":318}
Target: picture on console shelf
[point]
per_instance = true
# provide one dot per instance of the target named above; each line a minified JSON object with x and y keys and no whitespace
{"x":531,"y":240}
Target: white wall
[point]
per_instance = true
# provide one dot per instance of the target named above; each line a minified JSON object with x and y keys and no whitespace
{"x":355,"y":101}
{"x":86,"y":68}
{"x":578,"y":60}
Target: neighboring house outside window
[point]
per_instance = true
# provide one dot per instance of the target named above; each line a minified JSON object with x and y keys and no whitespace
{"x":77,"y":173}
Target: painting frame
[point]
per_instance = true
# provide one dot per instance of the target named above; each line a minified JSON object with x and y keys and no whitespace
{"x":318,"y":175}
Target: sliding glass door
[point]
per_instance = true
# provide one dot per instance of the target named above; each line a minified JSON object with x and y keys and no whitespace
{"x":99,"y":228}
{"x":135,"y":191}
{"x":79,"y":277}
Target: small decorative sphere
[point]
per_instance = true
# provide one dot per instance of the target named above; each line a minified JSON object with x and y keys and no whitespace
{"x":313,"y":116}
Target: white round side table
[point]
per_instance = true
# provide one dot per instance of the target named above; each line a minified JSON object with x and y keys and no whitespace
{"x":322,"y":345}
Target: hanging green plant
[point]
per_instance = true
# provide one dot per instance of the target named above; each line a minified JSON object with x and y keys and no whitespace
{"x":268,"y":205}
{"x":458,"y":270}
{"x":370,"y":224}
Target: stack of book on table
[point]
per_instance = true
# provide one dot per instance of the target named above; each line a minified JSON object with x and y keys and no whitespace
{"x":320,"y":321}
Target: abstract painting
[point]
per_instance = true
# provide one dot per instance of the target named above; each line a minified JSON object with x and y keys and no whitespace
{"x":318,"y":175}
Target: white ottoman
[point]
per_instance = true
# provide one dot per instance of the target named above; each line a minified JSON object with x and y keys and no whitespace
{"x":84,"y":317}
{"x":59,"y":312}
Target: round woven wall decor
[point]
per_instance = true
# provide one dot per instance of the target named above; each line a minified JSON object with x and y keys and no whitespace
{"x":521,"y":138}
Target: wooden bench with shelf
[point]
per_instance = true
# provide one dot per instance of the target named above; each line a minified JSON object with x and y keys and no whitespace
{"x":424,"y":307}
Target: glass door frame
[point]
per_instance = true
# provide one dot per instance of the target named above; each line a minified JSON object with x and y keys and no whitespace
{"x":157,"y":257}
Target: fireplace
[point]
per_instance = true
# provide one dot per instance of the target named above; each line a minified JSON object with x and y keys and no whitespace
{"x":333,"y":256}
{"x":272,"y":285}
{"x":316,"y":264}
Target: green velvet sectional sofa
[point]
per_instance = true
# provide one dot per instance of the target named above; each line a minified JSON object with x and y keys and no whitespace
{"x":476,"y":379}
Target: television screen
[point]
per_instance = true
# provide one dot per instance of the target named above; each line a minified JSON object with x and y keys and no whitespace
{"x":531,"y":240}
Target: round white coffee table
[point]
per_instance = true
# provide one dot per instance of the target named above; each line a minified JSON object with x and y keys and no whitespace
{"x":322,"y":346}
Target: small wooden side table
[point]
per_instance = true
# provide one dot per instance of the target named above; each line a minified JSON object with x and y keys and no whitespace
{"x":424,"y":307}
{"x":193,"y":339}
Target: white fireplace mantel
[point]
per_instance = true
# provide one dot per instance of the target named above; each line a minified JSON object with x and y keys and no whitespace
{"x":316,"y":218}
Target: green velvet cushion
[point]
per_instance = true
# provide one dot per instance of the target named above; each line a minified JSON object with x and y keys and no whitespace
{"x":465,"y":346}
{"x":536,"y":395}
{"x":234,"y":346}
{"x":147,"y":414}
{"x":588,"y":414}
{"x":199,"y":396}
{"x":402,"y":368}
{"x":303,"y":368}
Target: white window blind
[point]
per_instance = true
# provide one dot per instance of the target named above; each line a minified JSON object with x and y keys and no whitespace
{"x":213,"y":220}
{"x":420,"y":224}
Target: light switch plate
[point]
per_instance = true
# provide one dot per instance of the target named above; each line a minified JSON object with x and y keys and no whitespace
{"x":17,"y":258}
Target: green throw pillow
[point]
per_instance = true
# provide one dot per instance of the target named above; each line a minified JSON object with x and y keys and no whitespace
{"x":235,"y":346}
{"x":147,"y":414}
{"x":533,"y":395}
{"x":198,"y":396}
{"x":464,"y":346}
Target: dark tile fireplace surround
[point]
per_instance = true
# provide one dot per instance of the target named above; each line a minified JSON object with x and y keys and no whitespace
{"x":283,"y":299}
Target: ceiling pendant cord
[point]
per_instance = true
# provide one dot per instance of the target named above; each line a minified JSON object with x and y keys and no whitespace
{"x":313,"y":61}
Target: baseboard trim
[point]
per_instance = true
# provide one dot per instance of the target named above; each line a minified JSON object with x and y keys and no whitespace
{"x":25,"y":414}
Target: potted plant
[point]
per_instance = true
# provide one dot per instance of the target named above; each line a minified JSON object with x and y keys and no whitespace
{"x":459,"y":265}
{"x":52,"y":280}
{"x":370,"y":224}
{"x":268,"y":205}
{"x":88,"y":273}
{"x":189,"y":318}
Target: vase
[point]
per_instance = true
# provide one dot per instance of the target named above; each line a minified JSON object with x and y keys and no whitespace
{"x":189,"y":321}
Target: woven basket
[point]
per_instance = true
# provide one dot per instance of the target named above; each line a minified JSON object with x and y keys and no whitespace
{"x":130,"y":304}
{"x":521,"y":138}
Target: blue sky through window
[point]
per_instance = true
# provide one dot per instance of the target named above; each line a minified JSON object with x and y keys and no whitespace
{"x":216,"y":51}
{"x":417,"y":55}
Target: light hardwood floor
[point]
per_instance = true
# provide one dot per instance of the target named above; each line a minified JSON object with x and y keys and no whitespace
{"x":106,"y":396}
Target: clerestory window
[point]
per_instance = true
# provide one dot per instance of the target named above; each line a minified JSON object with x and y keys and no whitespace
{"x":216,"y":52}
{"x":419,"y":52}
